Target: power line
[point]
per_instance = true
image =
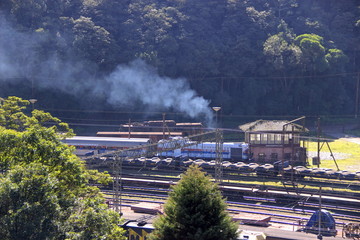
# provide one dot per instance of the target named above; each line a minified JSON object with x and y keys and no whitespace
{"x":228,"y":77}
{"x":234,"y":130}
{"x":279,"y":77}
{"x":103,"y":111}
{"x":180,"y":113}
{"x":104,"y":122}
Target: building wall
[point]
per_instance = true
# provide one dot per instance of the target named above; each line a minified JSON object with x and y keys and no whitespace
{"x":270,"y":154}
{"x":268,"y":147}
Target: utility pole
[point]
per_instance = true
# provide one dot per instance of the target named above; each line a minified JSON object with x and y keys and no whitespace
{"x":129,"y":126}
{"x":163,"y":125}
{"x":117,"y":182}
{"x":218,"y":149}
{"x":318,"y":141}
{"x":320,"y":214}
{"x":357,"y":96}
{"x":219,"y":157}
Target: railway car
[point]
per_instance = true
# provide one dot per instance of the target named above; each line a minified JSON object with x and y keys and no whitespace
{"x":94,"y":145}
{"x":235,"y":151}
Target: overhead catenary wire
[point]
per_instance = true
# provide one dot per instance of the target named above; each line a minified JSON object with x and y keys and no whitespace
{"x":278,"y":77}
{"x":309,"y":138}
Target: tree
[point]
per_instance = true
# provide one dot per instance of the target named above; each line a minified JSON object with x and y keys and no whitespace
{"x":92,"y":42}
{"x":313,"y":52}
{"x":29,"y":13}
{"x":44,"y":191}
{"x":283,"y":56}
{"x":195,"y":210}
{"x":29,"y":206}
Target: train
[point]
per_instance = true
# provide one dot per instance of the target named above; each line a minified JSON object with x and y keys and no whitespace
{"x":234,"y":154}
{"x":276,"y":169}
{"x":87,"y":146}
{"x":232,"y":151}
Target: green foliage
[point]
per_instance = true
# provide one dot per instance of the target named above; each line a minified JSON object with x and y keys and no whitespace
{"x":312,"y":37}
{"x":283,"y":55}
{"x":96,"y":220}
{"x":195,"y":209}
{"x":235,"y":42}
{"x":311,"y":46}
{"x":313,"y":52}
{"x":11,"y":115}
{"x":29,"y":205}
{"x":336,"y":58}
{"x":91,"y":42}
{"x":43,"y":191}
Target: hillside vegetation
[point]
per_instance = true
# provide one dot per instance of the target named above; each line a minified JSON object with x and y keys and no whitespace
{"x":273,"y":57}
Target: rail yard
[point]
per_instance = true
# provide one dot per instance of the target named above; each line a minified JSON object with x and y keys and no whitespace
{"x":288,"y":201}
{"x":267,"y":181}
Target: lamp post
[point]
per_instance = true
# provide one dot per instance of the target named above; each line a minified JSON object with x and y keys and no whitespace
{"x":33,"y":101}
{"x":218,"y":149}
{"x":216,"y":109}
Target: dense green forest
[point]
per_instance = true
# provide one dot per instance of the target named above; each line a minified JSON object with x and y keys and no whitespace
{"x":272,"y":57}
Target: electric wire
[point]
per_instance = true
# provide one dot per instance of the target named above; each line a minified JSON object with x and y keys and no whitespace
{"x":343,"y":74}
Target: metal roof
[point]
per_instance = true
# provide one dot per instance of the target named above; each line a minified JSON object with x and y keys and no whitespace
{"x":188,"y":124}
{"x":139,"y":133}
{"x":105,"y":139}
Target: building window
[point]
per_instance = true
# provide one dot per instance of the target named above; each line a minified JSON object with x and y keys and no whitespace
{"x":258,"y":138}
{"x":274,"y":156}
{"x":252,"y":138}
{"x":287,"y":156}
{"x":261,"y":156}
{"x":271,"y":138}
{"x":278,"y":139}
{"x":286,"y":138}
{"x":264,"y":139}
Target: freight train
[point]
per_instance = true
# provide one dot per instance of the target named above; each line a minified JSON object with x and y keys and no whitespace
{"x":235,"y":157}
{"x":261,"y":170}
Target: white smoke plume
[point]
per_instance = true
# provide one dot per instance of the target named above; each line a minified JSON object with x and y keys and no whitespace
{"x":140,"y":82}
{"x":128,"y":85}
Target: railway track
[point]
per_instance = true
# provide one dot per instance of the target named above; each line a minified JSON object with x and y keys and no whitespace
{"x":335,"y":185}
{"x":244,"y":192}
{"x":292,"y":189}
{"x":291,"y":204}
{"x":279,"y":215}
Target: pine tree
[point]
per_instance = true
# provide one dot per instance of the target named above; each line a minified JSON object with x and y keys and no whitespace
{"x":195,"y":210}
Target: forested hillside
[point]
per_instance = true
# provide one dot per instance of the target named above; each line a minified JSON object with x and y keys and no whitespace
{"x":272,"y":57}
